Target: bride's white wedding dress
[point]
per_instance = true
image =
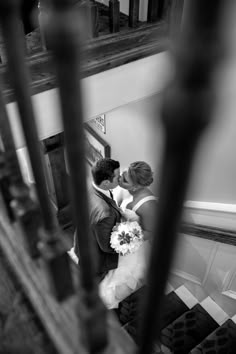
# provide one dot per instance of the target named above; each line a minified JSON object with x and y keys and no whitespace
{"x":129,"y":275}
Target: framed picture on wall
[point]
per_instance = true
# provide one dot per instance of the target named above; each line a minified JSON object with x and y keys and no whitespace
{"x":96,"y":147}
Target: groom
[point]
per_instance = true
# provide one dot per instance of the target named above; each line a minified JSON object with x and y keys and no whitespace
{"x":103,"y":214}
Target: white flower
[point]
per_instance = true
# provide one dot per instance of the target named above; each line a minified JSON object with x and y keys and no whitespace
{"x":126,"y":237}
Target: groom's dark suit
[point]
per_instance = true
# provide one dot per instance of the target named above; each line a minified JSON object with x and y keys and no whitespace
{"x":103,"y":215}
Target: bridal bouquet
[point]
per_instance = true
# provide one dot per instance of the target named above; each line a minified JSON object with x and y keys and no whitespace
{"x":126,"y":237}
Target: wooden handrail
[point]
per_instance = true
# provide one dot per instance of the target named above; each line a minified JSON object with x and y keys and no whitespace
{"x":99,"y":55}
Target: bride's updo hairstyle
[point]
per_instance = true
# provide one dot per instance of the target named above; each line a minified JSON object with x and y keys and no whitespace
{"x":140,"y":173}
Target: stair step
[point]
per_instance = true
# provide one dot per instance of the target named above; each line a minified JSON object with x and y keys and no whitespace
{"x":222,"y":340}
{"x":129,"y":308}
{"x":214,"y":310}
{"x":173,"y":307}
{"x":234,"y":319}
{"x":169,"y":289}
{"x":187,"y":325}
{"x":187,"y":331}
{"x":175,"y":304}
{"x":186,"y":296}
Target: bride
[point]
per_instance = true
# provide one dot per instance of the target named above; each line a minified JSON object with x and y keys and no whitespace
{"x":140,"y":206}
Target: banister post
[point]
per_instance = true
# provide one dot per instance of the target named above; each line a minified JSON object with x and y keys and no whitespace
{"x":114,"y":16}
{"x":2,"y":50}
{"x":93,"y":15}
{"x":133,"y":13}
{"x":154,"y":10}
{"x":44,"y":8}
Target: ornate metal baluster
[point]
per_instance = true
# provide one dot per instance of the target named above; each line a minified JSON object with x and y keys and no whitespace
{"x":20,"y":79}
{"x":66,"y":42}
{"x":9,"y":145}
{"x":6,"y":143}
{"x":19,"y":199}
{"x":55,"y":255}
{"x":5,"y":185}
{"x":114,"y":15}
{"x":186,"y":111}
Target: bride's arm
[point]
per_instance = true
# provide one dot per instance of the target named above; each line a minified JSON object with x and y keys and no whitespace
{"x":147,"y":214}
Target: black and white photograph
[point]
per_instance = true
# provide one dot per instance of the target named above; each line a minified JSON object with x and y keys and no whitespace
{"x":117,"y":177}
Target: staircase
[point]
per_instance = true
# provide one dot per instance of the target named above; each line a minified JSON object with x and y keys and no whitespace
{"x":187,"y":325}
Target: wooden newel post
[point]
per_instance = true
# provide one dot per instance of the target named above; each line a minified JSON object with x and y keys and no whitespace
{"x":114,"y":16}
{"x":133,"y":13}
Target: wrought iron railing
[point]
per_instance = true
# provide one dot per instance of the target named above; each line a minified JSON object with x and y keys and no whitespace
{"x":96,"y":331}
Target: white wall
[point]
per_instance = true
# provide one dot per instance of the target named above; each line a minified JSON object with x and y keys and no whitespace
{"x":102,"y":93}
{"x":134,"y":133}
{"x":129,"y":97}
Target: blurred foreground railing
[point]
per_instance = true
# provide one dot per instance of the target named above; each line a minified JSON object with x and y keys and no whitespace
{"x":186,"y":111}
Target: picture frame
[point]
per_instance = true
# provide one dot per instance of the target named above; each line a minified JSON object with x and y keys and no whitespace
{"x":96,"y":147}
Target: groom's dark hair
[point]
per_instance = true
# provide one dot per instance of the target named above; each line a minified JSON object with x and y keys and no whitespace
{"x":103,"y":169}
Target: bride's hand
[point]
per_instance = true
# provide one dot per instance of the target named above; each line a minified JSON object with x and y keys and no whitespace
{"x":128,"y":214}
{"x":123,"y":215}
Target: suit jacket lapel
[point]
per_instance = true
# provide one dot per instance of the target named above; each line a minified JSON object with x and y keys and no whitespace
{"x":107,"y":199}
